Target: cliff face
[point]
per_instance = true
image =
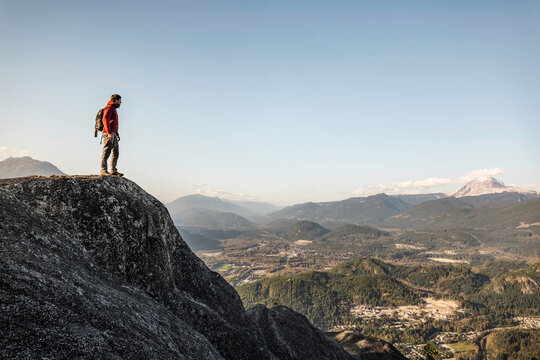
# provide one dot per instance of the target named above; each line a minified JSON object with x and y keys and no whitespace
{"x":94,"y":267}
{"x":57,"y":303}
{"x":291,"y":336}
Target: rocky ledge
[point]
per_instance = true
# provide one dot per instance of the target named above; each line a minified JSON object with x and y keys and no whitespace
{"x":366,"y":347}
{"x":93,"y":268}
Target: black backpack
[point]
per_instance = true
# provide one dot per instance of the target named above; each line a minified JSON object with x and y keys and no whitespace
{"x":99,"y":122}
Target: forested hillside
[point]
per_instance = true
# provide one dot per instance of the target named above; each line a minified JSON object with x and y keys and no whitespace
{"x":487,"y":296}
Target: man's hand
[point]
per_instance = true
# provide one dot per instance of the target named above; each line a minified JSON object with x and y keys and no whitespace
{"x":117,"y":137}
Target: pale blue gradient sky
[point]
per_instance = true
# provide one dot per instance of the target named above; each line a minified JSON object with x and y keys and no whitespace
{"x":282,"y":101}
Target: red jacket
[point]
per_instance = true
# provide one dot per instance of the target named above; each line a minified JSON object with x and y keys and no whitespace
{"x":110,"y":119}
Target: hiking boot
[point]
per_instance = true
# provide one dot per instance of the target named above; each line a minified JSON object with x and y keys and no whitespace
{"x":105,"y":172}
{"x":116,"y":173}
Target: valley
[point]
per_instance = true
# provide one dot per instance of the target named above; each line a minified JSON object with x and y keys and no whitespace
{"x":251,"y":256}
{"x":439,"y":274}
{"x":437,"y":315}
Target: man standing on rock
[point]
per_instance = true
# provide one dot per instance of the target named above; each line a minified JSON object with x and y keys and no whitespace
{"x":110,"y":135}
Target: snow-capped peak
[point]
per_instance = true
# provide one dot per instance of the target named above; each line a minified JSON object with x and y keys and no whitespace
{"x":488,"y":186}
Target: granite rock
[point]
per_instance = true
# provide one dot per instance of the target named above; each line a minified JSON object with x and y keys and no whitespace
{"x":56,"y":302}
{"x":292,"y":337}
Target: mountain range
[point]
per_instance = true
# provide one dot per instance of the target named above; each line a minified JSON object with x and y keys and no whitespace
{"x":199,"y":211}
{"x":378,"y":208}
{"x":501,"y":217}
{"x":335,"y":221}
{"x":358,"y":210}
{"x":252,"y":211}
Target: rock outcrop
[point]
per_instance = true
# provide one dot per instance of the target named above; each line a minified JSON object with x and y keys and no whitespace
{"x":93,"y":267}
{"x":57,"y":303}
{"x":366,"y":347}
{"x":291,"y":336}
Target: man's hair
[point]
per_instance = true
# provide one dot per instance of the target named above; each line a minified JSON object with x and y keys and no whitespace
{"x":115,"y":97}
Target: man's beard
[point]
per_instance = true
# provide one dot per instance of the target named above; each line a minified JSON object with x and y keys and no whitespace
{"x":116,"y":105}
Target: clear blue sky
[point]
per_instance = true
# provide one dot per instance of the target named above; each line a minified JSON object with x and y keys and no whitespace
{"x":281,"y":101}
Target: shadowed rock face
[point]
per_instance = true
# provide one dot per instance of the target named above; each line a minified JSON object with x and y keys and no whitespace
{"x":130,"y":234}
{"x":291,"y":336}
{"x":93,"y":267}
{"x":56,"y":303}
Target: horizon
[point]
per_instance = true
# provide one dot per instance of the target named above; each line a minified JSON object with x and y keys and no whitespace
{"x":282,"y":102}
{"x":471,"y":178}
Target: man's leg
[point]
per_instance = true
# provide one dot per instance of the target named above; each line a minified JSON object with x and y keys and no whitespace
{"x":107,"y":147}
{"x":115,"y":154}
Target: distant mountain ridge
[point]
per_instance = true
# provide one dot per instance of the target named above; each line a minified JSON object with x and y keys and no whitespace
{"x":204,"y":218}
{"x":203,"y":202}
{"x":255,"y":206}
{"x":449,"y":213}
{"x":405,"y":210}
{"x":488,"y":186}
{"x":13,"y":167}
{"x":251,"y":210}
{"x":355,"y":210}
{"x":415,"y":199}
{"x":359,"y":210}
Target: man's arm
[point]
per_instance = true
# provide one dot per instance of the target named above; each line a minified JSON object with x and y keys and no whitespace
{"x":106,"y":120}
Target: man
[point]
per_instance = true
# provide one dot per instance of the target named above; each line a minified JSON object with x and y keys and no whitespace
{"x":111,"y":136}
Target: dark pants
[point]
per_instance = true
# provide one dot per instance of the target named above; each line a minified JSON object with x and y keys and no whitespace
{"x":110,"y":144}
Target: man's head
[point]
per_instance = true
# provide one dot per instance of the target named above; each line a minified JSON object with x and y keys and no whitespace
{"x":117,"y":100}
